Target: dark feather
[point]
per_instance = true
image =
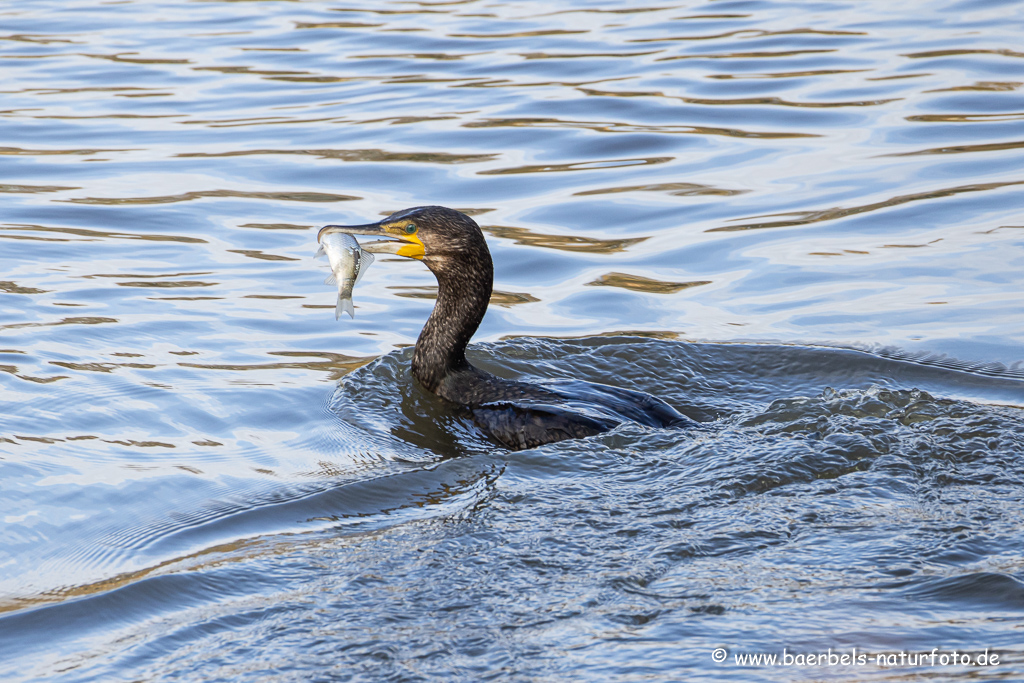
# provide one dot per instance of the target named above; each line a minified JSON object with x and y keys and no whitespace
{"x":515,"y":414}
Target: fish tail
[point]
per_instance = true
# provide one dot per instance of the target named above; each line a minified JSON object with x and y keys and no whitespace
{"x":346,"y":306}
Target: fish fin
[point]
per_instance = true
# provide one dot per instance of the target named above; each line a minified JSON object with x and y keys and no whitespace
{"x":320,"y":252}
{"x":344,"y":305}
{"x":365,"y":261}
{"x":331,"y":280}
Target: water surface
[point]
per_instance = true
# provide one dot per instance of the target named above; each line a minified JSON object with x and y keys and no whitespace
{"x":802,"y":220}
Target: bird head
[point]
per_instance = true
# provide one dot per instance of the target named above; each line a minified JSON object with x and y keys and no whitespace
{"x":432,"y":234}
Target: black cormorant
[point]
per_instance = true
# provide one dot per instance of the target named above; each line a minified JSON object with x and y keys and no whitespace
{"x":516,"y":414}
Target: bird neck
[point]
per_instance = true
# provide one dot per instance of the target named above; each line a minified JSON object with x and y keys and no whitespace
{"x":463,"y":290}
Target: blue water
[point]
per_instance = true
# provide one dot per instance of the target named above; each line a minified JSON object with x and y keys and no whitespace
{"x":801,"y":219}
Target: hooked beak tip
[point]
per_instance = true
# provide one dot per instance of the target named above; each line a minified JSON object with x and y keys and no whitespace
{"x":368,"y":229}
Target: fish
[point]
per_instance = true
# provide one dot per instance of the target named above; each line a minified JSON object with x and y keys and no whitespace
{"x":348,"y":263}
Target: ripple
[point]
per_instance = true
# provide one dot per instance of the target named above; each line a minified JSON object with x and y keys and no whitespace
{"x":674,"y":189}
{"x":746,"y":55}
{"x":259,"y":255}
{"x":9,"y":287}
{"x":561,"y":242}
{"x":612,"y":127}
{"x":201,"y":194}
{"x":335,"y":364}
{"x":746,"y":101}
{"x":808,"y":217}
{"x":169,"y":284}
{"x":958,"y":53}
{"x":965,"y":149}
{"x":18,"y":151}
{"x":1001,"y":592}
{"x":81,"y":232}
{"x":360,"y":155}
{"x":638,"y":283}
{"x":76,"y":320}
{"x":983,"y":86}
{"x":34,"y":189}
{"x":964,"y":118}
{"x":498,"y":297}
{"x":126,"y":58}
{"x":787,"y":74}
{"x":578,"y":166}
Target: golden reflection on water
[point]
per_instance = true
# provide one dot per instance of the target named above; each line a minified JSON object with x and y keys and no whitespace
{"x":201,"y":194}
{"x":78,"y":320}
{"x":101,"y":367}
{"x":614,"y":127}
{"x":674,"y":189}
{"x":145,"y":275}
{"x":13,"y":288}
{"x":362,"y":155}
{"x":33,"y":189}
{"x":746,"y":101}
{"x":82,"y":232}
{"x":168,"y":284}
{"x":336,"y":365}
{"x":983,"y":86}
{"x":965,"y":118}
{"x":271,"y":296}
{"x":786,"y":74}
{"x":747,"y":55}
{"x":19,"y":151}
{"x":275,"y":226}
{"x":257,"y":254}
{"x":638,"y":283}
{"x":498,"y":297}
{"x":529,"y":238}
{"x":960,"y":53}
{"x":668,"y":335}
{"x":965,"y":149}
{"x":125,"y":58}
{"x":577,"y":166}
{"x":808,"y":217}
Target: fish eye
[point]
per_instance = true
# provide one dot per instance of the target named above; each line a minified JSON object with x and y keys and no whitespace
{"x":410,"y":229}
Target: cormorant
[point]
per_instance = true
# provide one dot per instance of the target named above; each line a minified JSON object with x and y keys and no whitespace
{"x":516,"y":414}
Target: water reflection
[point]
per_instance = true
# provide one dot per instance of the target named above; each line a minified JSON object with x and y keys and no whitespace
{"x":619,"y":127}
{"x":639,"y":283}
{"x":579,"y":166}
{"x":675,"y":189}
{"x":80,"y":232}
{"x":367,"y":155}
{"x":200,"y":194}
{"x":498,"y":297}
{"x":966,"y":149}
{"x":529,"y":238}
{"x":205,"y":476}
{"x":807,"y":217}
{"x":33,"y":189}
{"x":336,"y":365}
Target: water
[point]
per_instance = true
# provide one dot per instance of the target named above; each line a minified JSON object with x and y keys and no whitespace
{"x":802,"y":219}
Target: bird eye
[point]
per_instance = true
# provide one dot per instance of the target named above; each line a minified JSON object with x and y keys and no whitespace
{"x":410,"y":229}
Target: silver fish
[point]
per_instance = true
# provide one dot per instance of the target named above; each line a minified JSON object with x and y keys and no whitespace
{"x":348,"y":263}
